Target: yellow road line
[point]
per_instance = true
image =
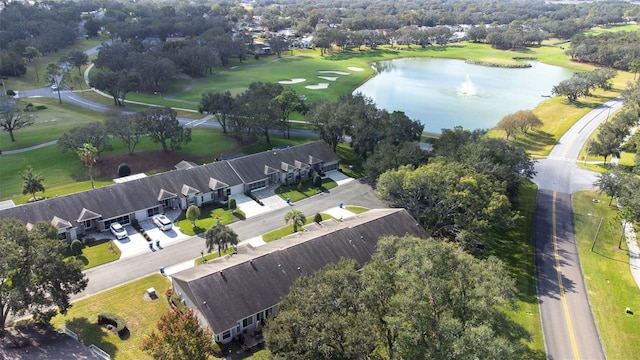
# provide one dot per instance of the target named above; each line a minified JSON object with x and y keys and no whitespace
{"x":564,"y":299}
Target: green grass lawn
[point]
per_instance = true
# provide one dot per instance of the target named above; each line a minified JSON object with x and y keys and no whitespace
{"x":304,"y":190}
{"x":50,"y":123}
{"x":288,"y":229}
{"x":212,"y":255}
{"x":127,"y":301}
{"x":515,"y":249}
{"x":209,"y":216}
{"x":65,"y":174}
{"x":98,"y":253}
{"x":607,"y":276}
{"x":356,"y":209}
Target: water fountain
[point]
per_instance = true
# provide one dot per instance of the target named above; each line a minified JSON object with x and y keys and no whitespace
{"x":467,"y":88}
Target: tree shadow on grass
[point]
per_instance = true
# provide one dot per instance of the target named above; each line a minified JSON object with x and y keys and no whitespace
{"x":197,"y":229}
{"x":83,"y":259}
{"x":536,"y":140}
{"x":89,"y":332}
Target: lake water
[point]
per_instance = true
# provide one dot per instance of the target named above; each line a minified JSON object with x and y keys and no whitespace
{"x":443,"y":93}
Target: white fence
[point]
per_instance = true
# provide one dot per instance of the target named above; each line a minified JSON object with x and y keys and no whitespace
{"x":96,"y":350}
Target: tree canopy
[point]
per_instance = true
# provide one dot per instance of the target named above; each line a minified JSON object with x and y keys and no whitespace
{"x":34,"y":276}
{"x":416,"y":299}
{"x":220,"y":236}
{"x":451,"y":200}
{"x":13,"y":115}
{"x":31,"y":183}
{"x":179,"y":336}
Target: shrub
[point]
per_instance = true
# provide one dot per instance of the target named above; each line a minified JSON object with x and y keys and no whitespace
{"x":11,"y":93}
{"x":114,"y":320}
{"x":76,"y":247}
{"x":41,"y":107}
{"x":317,"y":218}
{"x":317,"y":181}
{"x":124,"y":170}
{"x":232,"y":204}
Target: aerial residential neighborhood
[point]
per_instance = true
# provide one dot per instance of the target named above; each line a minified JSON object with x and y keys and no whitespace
{"x":319,"y":179}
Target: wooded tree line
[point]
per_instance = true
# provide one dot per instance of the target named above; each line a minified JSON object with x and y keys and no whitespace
{"x":616,"y":50}
{"x":207,"y":34}
{"x":613,"y":135}
{"x":581,"y":84}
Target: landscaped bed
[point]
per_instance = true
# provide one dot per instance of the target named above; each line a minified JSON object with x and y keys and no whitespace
{"x":295,"y":192}
{"x":210,"y":214}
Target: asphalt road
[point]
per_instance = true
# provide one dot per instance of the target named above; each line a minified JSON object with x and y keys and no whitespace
{"x":567,"y":320}
{"x":121,"y":271}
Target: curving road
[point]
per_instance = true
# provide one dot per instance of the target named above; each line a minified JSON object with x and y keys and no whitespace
{"x":568,"y":326}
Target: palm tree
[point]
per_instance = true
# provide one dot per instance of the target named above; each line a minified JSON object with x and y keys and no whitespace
{"x":296,"y":217}
{"x":32,"y":182}
{"x":88,"y":155}
{"x":221,"y":236}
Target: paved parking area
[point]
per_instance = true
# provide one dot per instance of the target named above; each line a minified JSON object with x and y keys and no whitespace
{"x":136,"y":243}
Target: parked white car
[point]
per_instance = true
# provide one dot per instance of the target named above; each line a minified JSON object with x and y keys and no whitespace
{"x":162,"y":222}
{"x":118,"y":231}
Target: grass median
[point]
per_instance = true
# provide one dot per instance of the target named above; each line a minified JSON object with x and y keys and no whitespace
{"x":607,"y":276}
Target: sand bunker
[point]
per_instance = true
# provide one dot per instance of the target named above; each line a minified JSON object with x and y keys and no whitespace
{"x":333,"y":72}
{"x":330,"y":78}
{"x":353,"y":68}
{"x":292,"y":81}
{"x":317,"y":86}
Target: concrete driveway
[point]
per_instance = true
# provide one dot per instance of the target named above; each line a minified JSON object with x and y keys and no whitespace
{"x":136,"y":244}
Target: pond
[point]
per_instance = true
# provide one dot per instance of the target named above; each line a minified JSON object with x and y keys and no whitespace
{"x":443,"y":93}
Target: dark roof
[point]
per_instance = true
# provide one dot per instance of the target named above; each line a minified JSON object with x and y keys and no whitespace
{"x":252,"y":168}
{"x":234,"y":287}
{"x":143,"y":193}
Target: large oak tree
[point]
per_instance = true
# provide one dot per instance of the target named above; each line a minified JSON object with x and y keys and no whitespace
{"x":34,"y":275}
{"x":416,"y":299}
{"x":451,"y":200}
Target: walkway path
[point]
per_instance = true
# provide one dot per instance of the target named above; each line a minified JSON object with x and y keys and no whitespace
{"x":630,"y":237}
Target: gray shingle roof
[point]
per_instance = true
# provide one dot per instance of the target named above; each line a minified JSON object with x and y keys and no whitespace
{"x":237,"y":286}
{"x":125,"y":198}
{"x":251,"y":168}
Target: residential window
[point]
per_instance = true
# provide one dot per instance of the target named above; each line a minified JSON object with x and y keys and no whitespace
{"x":123,"y":220}
{"x":226,"y":334}
{"x":228,"y":191}
{"x":260,"y":316}
{"x":153,"y":211}
{"x":88,"y":224}
{"x":248,"y":321}
{"x":63,"y":236}
{"x":269,"y":313}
